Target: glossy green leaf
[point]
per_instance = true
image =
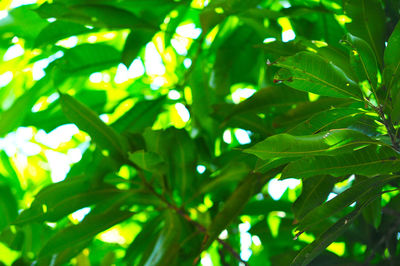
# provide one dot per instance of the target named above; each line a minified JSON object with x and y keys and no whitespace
{"x":309,"y":72}
{"x":367,"y":161}
{"x":341,"y":201}
{"x":363,"y":60}
{"x":315,"y":191}
{"x":332,"y":142}
{"x":84,"y":231}
{"x":367,"y":23}
{"x":88,"y":121}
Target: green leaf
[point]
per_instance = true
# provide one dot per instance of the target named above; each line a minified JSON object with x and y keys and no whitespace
{"x":14,"y":115}
{"x":373,"y":212}
{"x":233,"y":173}
{"x":59,"y":30}
{"x":83,"y":232}
{"x":143,"y":114}
{"x":84,"y":59}
{"x":363,"y":60}
{"x":177,"y":149}
{"x":8,"y":205}
{"x":344,"y":199}
{"x":88,"y":121}
{"x":24,"y":23}
{"x":367,"y":23}
{"x":232,"y":207}
{"x":331,"y":142}
{"x":307,"y":254}
{"x":315,"y":191}
{"x":149,"y":161}
{"x":309,"y":72}
{"x":148,"y":233}
{"x":368,"y":161}
{"x":392,"y":60}
{"x":330,"y":119}
{"x":272,"y":96}
{"x":167,"y":245}
{"x":60,"y":199}
{"x":135,"y":41}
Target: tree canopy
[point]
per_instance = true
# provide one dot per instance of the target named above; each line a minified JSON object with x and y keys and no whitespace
{"x":202,"y":132}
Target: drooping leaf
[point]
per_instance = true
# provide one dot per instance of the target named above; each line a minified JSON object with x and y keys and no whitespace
{"x":363,"y":60}
{"x":166,"y":247}
{"x":135,"y":41}
{"x":88,"y":121}
{"x":84,"y":59}
{"x":332,"y":142}
{"x":344,"y":199}
{"x":392,"y":60}
{"x":149,"y":232}
{"x":83,"y":232}
{"x":367,"y":23}
{"x":367,"y":161}
{"x":232,"y":207}
{"x":333,"y":118}
{"x":141,"y":115}
{"x":147,"y":160}
{"x":315,"y":191}
{"x":14,"y":115}
{"x":59,"y":30}
{"x":307,"y":254}
{"x":309,"y":72}
{"x":8,"y":205}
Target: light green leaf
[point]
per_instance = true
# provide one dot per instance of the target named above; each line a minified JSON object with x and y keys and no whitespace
{"x":309,"y":72}
{"x":331,"y":142}
{"x":368,"y":161}
{"x":88,"y":121}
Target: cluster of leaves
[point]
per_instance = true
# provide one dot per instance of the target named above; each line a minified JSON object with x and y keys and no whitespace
{"x":326,"y":111}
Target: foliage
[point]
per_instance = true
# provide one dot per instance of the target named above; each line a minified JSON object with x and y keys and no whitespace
{"x":154,"y":132}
